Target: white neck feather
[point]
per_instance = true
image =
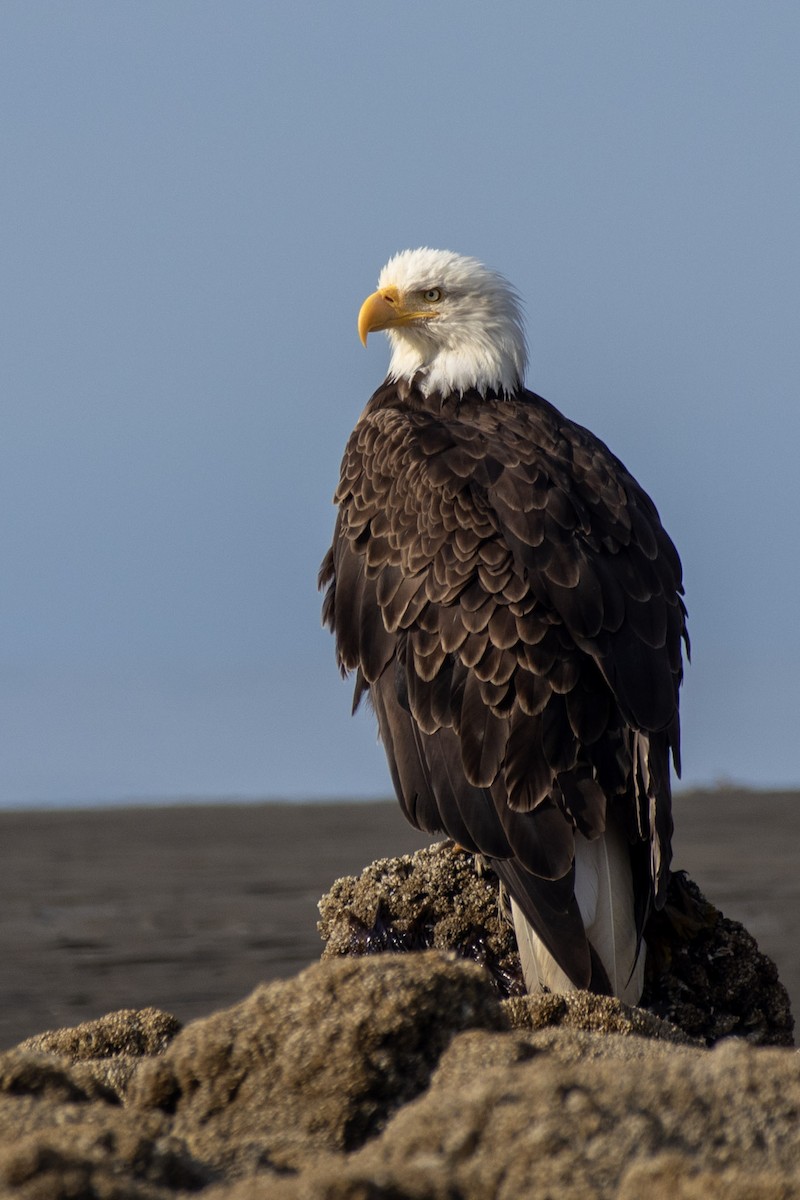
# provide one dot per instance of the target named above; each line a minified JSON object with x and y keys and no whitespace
{"x":481,"y":361}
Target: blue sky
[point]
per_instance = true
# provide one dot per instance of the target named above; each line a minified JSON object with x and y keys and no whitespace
{"x":195,"y":199}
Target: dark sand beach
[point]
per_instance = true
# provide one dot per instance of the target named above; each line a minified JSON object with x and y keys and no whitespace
{"x":188,"y":907}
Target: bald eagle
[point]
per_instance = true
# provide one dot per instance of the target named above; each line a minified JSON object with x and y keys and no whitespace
{"x":512,"y":606}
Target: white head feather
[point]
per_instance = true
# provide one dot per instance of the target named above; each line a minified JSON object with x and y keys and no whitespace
{"x":475,"y":340}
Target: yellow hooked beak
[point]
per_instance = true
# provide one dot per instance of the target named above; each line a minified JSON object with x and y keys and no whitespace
{"x":385,"y":309}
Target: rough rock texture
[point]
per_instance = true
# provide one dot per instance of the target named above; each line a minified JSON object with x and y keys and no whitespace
{"x":401,"y":1076}
{"x":705,"y":973}
{"x":128,"y":1032}
{"x":63,"y":1130}
{"x":317,"y":1062}
{"x":439,"y":898}
{"x":506,"y":1118}
{"x":100,"y":1054}
{"x":590,"y":1014}
{"x":407,"y":1077}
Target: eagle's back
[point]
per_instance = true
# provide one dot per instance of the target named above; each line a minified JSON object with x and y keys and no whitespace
{"x":506,"y":592}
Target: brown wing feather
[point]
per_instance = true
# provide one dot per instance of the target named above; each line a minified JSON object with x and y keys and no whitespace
{"x":508,"y":595}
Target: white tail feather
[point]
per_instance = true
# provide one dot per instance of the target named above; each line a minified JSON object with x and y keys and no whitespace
{"x":539,"y":969}
{"x":604,"y":892}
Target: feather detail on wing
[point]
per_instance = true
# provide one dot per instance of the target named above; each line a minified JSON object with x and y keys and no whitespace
{"x":511,"y":603}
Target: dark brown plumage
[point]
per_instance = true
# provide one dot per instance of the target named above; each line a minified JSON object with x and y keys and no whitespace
{"x":508,"y":598}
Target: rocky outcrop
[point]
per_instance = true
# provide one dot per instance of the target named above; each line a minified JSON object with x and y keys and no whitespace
{"x":316,"y":1063}
{"x":705,"y":974}
{"x":384,"y":1076}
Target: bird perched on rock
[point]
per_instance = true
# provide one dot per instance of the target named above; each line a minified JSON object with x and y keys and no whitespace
{"x":512,"y":606}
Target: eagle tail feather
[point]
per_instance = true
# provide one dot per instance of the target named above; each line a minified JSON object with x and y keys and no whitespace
{"x":604,"y":893}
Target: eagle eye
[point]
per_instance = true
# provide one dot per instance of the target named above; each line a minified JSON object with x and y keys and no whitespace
{"x":432,"y":295}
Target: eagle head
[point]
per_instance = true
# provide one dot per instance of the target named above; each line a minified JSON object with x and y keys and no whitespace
{"x":453,"y":324}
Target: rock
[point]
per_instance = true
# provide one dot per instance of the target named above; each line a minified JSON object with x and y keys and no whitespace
{"x":66,"y":1147}
{"x":130,"y":1032}
{"x":705,"y":974}
{"x":439,"y":898}
{"x":537,"y":1123}
{"x":590,"y":1014}
{"x":669,"y":1176}
{"x":97,"y":1160}
{"x":403,"y":1077}
{"x":28,"y":1073}
{"x":382,"y":1075}
{"x":314,"y":1063}
{"x":62,"y":1131}
{"x":100,"y":1054}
